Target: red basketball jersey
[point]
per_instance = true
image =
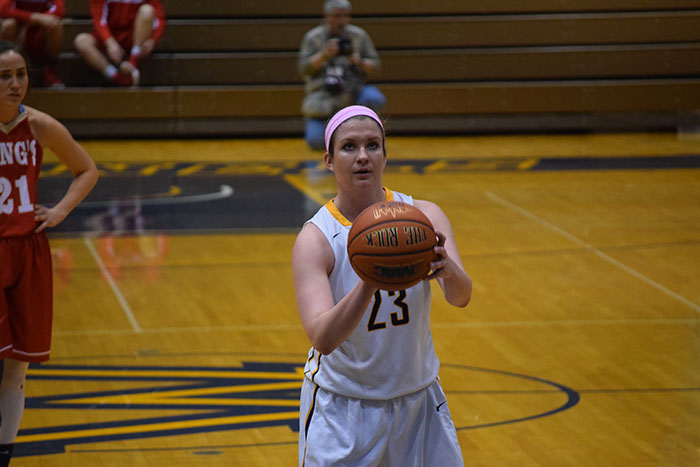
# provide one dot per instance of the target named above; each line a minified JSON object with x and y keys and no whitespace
{"x":22,"y":9}
{"x":20,"y":163}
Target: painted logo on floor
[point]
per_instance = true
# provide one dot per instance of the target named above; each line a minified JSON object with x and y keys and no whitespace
{"x":202,"y":398}
{"x":140,"y":402}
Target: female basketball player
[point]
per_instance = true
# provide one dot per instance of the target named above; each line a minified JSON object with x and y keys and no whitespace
{"x":371,"y":394}
{"x":25,"y":258}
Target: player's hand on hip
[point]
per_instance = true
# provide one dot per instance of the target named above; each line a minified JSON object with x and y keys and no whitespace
{"x":48,"y":217}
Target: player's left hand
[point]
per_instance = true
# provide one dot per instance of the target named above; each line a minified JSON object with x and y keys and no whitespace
{"x":439,"y":264}
{"x":48,"y":217}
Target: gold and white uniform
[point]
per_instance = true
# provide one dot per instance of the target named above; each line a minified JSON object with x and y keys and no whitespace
{"x":376,"y":399}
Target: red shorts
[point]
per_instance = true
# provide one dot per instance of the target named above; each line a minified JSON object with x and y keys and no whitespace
{"x":34,"y":38}
{"x":26,"y":298}
{"x":125,"y":37}
{"x":35,"y":42}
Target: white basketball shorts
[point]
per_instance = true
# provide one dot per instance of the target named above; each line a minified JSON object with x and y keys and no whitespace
{"x":415,"y":430}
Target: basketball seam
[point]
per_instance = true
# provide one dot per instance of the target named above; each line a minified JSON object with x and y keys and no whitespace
{"x":391,"y":254}
{"x":352,"y":239}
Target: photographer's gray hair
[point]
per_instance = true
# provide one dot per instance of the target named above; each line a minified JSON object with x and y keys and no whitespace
{"x":331,"y":5}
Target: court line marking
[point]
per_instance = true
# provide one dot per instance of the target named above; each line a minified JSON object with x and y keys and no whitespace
{"x":172,"y":197}
{"x":555,"y":228}
{"x":580,"y":391}
{"x":445,"y":325}
{"x":196,"y":449}
{"x":305,"y":188}
{"x":568,"y":322}
{"x":113,"y":285}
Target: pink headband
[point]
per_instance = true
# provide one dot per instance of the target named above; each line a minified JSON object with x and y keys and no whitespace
{"x":345,"y":114}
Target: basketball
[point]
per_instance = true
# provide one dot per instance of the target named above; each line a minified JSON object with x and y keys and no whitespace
{"x":390,"y":245}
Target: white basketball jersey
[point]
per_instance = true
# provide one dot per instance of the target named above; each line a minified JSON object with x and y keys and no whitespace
{"x":390,"y":353}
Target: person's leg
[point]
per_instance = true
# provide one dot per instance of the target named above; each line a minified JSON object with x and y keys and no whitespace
{"x":340,"y":431}
{"x":440,"y":443}
{"x":11,"y":405}
{"x":313,"y":133}
{"x":53,"y":38}
{"x":86,"y":44}
{"x":143,"y":30}
{"x":423,"y":434}
{"x":371,"y":97}
{"x":9,"y":29}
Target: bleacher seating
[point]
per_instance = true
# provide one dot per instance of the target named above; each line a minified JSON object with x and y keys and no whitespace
{"x":449,"y":66}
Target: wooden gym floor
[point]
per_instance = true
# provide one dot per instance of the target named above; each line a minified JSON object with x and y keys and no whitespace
{"x":176,"y":338}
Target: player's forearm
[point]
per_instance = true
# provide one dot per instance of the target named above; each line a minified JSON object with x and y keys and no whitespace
{"x":330,"y":329}
{"x":456,"y":286}
{"x":79,"y":188}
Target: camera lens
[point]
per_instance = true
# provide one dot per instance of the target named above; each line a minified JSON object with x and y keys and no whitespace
{"x":344,"y":45}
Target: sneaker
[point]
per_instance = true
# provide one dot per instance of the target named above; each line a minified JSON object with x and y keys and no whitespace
{"x":134,"y":60}
{"x":135,"y":77}
{"x":123,"y":79}
{"x":127,"y":69}
{"x":128,"y":79}
{"x":50,"y":78}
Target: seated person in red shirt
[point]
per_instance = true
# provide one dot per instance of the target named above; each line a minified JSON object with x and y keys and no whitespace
{"x":37,"y":27}
{"x":124,"y":32}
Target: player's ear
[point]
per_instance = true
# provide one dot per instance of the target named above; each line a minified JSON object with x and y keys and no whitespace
{"x":328,"y":160}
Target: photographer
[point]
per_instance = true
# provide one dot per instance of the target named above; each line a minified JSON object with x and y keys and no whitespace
{"x":335,"y":59}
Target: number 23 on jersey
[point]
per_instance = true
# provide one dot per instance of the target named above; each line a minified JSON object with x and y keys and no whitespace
{"x":398,"y":317}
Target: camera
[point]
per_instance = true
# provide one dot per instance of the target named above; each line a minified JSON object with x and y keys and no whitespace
{"x":333,"y":79}
{"x":344,"y":45}
{"x":333,"y":84}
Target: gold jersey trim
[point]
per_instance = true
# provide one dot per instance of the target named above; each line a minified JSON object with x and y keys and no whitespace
{"x":330,"y":205}
{"x":9,"y":126}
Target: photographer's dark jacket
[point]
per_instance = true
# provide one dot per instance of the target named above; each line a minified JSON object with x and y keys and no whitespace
{"x":320,"y":101}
